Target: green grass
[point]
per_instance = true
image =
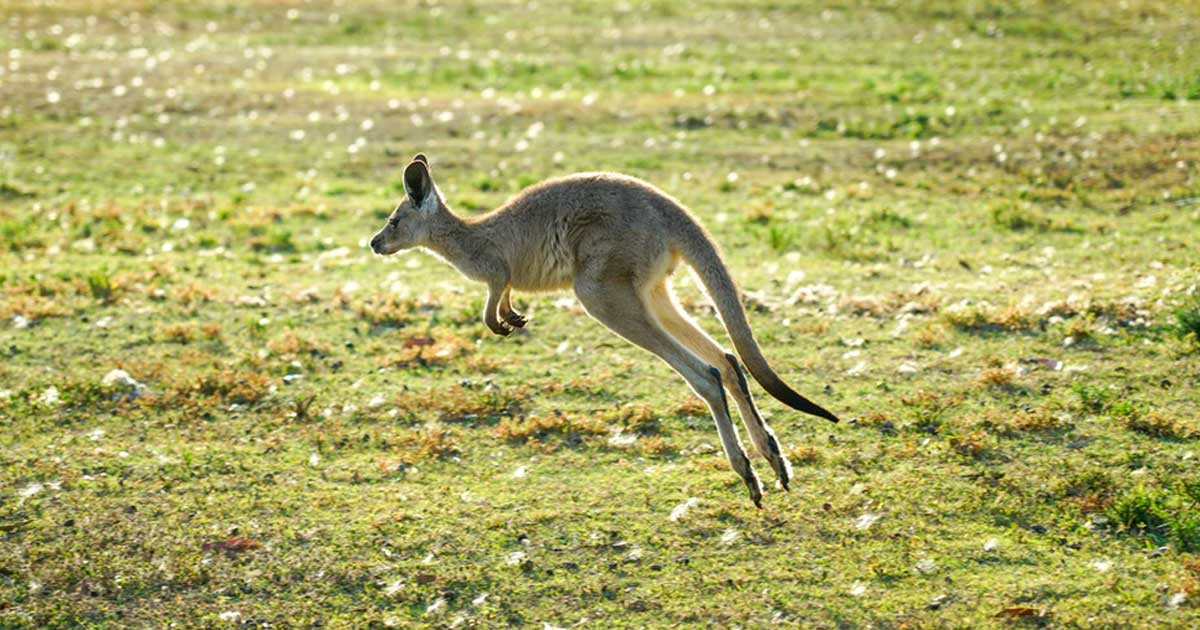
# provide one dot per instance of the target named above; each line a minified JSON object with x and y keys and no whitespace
{"x":970,"y":229}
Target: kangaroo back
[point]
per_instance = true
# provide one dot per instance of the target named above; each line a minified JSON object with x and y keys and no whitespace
{"x":700,"y":252}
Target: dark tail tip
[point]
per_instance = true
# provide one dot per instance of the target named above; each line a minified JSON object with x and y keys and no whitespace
{"x":800,"y":403}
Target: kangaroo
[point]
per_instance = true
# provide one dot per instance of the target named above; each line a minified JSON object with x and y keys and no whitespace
{"x":615,"y":240}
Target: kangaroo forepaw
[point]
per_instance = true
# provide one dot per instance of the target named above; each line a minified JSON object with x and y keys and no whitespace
{"x":500,"y":328}
{"x":516,"y":319}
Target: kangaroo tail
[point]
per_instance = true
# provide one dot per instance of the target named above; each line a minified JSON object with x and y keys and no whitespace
{"x":698,"y":250}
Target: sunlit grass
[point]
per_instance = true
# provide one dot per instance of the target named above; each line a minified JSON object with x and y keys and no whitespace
{"x":969,"y":230}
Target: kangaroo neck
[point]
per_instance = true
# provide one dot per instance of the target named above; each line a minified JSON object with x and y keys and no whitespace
{"x":462,"y":245}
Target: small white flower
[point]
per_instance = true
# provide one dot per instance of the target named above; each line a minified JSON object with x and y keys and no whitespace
{"x":620,"y":438}
{"x":681,"y":510}
{"x":49,"y":397}
{"x":866,"y":520}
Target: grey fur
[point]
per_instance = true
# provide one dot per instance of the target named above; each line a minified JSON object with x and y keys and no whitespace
{"x":615,"y":240}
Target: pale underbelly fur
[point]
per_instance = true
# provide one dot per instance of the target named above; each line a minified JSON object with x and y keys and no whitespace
{"x":547,"y":265}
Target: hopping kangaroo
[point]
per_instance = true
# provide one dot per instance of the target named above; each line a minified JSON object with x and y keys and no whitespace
{"x":615,"y":240}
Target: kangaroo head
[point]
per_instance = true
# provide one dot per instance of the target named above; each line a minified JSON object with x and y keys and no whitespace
{"x":417,"y":214}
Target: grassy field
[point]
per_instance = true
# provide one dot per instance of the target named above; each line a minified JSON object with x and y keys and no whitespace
{"x":970,"y":229}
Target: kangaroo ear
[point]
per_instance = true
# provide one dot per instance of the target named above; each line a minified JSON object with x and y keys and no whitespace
{"x":417,"y":181}
{"x":420,"y":157}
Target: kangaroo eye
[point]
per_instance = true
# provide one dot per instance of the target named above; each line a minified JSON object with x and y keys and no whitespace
{"x":394,"y":221}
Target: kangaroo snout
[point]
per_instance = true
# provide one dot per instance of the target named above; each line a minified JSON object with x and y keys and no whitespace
{"x":375,"y":243}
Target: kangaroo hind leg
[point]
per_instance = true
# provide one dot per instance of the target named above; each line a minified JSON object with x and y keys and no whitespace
{"x":679,"y":325}
{"x":618,"y":305}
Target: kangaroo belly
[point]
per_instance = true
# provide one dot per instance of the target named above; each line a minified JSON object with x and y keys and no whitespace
{"x":546,"y":265}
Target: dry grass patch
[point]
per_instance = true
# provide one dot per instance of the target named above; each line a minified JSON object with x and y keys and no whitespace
{"x":804,"y":455}
{"x":382,"y":309}
{"x":431,"y":442}
{"x":32,"y":307}
{"x":692,"y":406}
{"x":466,"y":403}
{"x":292,"y":344}
{"x":523,"y":429}
{"x":428,"y":349}
{"x":655,"y":445}
{"x":932,"y":335}
{"x":972,"y":444}
{"x":877,"y":420}
{"x":985,"y":318}
{"x":184,"y":332}
{"x":1028,"y":420}
{"x":997,"y":378}
{"x":638,"y":418}
{"x":226,"y":386}
{"x":189,"y":296}
{"x":1159,"y":425}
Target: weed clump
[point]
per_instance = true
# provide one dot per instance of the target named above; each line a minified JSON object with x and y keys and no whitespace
{"x":1091,"y":491}
{"x":1187,"y":320}
{"x":1093,"y":398}
{"x":1167,"y":515}
{"x":929,"y":409}
{"x":1140,"y":511}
